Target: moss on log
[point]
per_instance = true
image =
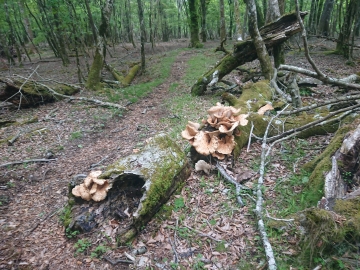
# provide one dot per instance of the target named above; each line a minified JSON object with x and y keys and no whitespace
{"x":274,"y":33}
{"x":259,"y":94}
{"x":125,"y":81}
{"x":141,"y":184}
{"x":28,"y":93}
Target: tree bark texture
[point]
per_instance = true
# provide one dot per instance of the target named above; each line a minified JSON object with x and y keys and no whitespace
{"x":324,"y":24}
{"x":272,"y":34}
{"x":194,"y":24}
{"x":344,"y":39}
{"x":222,"y":21}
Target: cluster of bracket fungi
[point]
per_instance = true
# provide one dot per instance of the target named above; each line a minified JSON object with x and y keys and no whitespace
{"x":216,"y":136}
{"x":92,"y":188}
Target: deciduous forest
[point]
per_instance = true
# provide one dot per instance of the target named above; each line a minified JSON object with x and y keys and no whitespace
{"x":179,"y":134}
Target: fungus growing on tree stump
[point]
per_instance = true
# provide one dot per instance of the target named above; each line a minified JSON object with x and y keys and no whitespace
{"x":92,"y":188}
{"x":217,"y":136}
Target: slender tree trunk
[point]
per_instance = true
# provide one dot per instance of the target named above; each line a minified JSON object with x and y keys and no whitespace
{"x":237,"y":32}
{"x":344,"y":39}
{"x":203,"y":7}
{"x":324,"y":24}
{"x":222,"y":21}
{"x":261,"y":51}
{"x":142,"y":34}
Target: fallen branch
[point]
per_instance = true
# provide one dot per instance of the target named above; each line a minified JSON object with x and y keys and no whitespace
{"x":13,"y":139}
{"x":318,"y":74}
{"x":25,"y":161}
{"x":258,"y":210}
{"x":322,"y":77}
{"x":231,"y":180}
{"x":114,"y":262}
{"x":96,"y":101}
{"x":347,"y":111}
{"x":338,"y":100}
{"x":203,"y":234}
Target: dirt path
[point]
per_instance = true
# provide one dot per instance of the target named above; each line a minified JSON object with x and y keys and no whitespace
{"x":78,"y":136}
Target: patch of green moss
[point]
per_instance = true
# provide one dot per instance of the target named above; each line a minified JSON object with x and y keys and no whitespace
{"x":65,"y":215}
{"x":326,"y":231}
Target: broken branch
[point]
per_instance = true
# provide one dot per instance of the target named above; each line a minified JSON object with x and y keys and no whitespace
{"x":25,"y":161}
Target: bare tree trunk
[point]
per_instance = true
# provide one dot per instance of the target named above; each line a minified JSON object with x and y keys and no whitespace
{"x":324,"y":24}
{"x":237,"y":32}
{"x":142,"y":34}
{"x":261,"y":51}
{"x":222,"y":21}
{"x":273,"y":13}
{"x":344,"y":39}
{"x":203,"y":7}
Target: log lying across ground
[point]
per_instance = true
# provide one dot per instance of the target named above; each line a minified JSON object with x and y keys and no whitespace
{"x":273,"y":34}
{"x":27,"y":93}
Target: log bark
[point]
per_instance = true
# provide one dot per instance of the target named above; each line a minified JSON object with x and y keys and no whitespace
{"x":141,"y":184}
{"x":27,"y":93}
{"x":273,"y":34}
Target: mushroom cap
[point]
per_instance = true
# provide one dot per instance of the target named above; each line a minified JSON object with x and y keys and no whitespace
{"x":204,"y":144}
{"x":190,"y":131}
{"x":226,"y":145}
{"x":241,"y":118}
{"x":81,"y":191}
{"x":76,"y":191}
{"x":88,"y":181}
{"x":228,"y":131}
{"x":94,"y":174}
{"x":100,"y":182}
{"x":93,"y":188}
{"x":101,"y":192}
{"x":218,"y":155}
{"x":202,"y":165}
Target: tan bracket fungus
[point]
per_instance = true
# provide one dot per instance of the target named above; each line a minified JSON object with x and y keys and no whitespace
{"x":220,"y":128}
{"x":92,"y":188}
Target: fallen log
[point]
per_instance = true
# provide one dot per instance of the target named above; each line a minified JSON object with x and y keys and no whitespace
{"x":27,"y":93}
{"x":140,"y":184}
{"x":273,"y":34}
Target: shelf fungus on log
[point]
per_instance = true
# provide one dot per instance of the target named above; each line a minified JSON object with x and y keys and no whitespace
{"x":217,"y":137}
{"x":139,"y":185}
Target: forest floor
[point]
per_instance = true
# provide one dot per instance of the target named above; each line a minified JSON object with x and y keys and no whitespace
{"x":205,"y":225}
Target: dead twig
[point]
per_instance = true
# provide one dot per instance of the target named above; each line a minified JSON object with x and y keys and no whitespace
{"x":114,"y":262}
{"x":25,"y":161}
{"x":231,"y":180}
{"x":203,"y":234}
{"x":174,"y":250}
{"x":13,"y":139}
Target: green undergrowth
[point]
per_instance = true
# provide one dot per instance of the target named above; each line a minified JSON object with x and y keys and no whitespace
{"x":156,"y":73}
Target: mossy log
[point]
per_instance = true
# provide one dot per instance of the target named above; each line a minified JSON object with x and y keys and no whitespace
{"x":125,"y":81}
{"x":24,"y":93}
{"x":259,"y":94}
{"x":141,"y":184}
{"x":273,"y":34}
